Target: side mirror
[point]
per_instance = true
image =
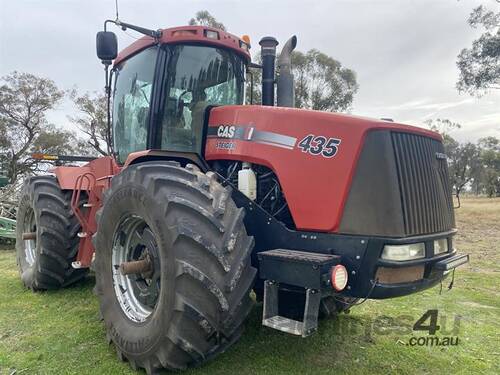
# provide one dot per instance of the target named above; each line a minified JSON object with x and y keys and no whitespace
{"x":106,"y":46}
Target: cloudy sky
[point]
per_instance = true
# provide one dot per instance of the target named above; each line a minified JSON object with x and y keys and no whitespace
{"x":403,"y":51}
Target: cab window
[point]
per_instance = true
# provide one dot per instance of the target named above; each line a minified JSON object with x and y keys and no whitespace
{"x":132,"y":101}
{"x":197,"y":76}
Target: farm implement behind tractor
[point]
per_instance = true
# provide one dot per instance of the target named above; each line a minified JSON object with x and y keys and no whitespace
{"x":8,"y":204}
{"x":206,"y":199}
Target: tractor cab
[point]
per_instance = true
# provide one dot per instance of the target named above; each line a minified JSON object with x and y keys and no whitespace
{"x":162,"y":86}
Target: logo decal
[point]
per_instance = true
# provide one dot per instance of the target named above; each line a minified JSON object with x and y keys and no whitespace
{"x":225,"y":145}
{"x":226,"y":131}
{"x":248,"y":133}
{"x":441,"y":156}
{"x":319,"y":145}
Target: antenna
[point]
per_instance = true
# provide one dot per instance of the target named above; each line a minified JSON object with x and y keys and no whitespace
{"x":156,"y":34}
{"x":116,"y":7}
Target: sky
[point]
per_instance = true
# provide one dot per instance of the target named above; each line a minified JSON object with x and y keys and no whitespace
{"x":404,"y":52}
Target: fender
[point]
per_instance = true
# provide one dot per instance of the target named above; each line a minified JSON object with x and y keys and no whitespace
{"x":106,"y":167}
{"x":151,"y":155}
{"x":102,"y":168}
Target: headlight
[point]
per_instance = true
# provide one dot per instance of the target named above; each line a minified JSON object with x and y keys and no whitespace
{"x":452,"y":244}
{"x":440,"y":246}
{"x":404,"y":252}
{"x":210,"y":34}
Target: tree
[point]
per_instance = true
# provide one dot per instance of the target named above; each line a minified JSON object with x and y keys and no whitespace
{"x":471,"y":166}
{"x":479,"y":65}
{"x":93,"y":120}
{"x":24,"y":102}
{"x":56,"y":141}
{"x":490,"y":160}
{"x":204,"y":18}
{"x":464,"y":161}
{"x":443,"y":126}
{"x":254,"y":92}
{"x":321,"y":82}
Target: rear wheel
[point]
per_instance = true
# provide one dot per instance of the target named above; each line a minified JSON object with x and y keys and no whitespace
{"x":173,"y":270}
{"x":44,"y":260}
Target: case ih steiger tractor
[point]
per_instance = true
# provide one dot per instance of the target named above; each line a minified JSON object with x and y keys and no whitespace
{"x":206,"y":199}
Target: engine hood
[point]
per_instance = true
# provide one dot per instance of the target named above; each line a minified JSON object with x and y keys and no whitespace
{"x":314,"y":154}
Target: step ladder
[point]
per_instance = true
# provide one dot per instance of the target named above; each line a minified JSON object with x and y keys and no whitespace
{"x":300,"y":269}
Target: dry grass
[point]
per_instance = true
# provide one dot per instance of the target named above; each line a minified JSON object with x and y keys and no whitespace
{"x":478,"y":221}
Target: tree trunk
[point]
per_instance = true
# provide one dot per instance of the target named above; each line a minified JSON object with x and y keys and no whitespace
{"x":457,"y":195}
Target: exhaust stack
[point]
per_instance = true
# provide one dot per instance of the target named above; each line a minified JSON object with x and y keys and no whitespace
{"x":286,"y":91}
{"x":268,"y":52}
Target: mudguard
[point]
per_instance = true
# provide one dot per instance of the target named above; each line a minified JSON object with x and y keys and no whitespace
{"x":102,"y":168}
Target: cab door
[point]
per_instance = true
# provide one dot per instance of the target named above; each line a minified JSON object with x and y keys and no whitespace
{"x":132,"y":102}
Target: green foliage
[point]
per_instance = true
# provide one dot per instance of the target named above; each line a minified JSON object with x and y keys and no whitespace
{"x":55,"y":141}
{"x":204,"y":18}
{"x":92,"y":120}
{"x":480,"y":16}
{"x":479,"y":65}
{"x":321,"y":82}
{"x":490,"y":158}
{"x":254,"y":92}
{"x":464,"y":163}
{"x":471,"y":166}
{"x":24,"y":101}
{"x":442,"y":126}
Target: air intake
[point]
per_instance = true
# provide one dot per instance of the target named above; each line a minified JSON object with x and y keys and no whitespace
{"x":424,"y":185}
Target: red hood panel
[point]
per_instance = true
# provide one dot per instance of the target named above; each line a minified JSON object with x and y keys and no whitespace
{"x":315,"y":176}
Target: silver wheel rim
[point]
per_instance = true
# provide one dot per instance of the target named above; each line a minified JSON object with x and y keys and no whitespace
{"x":137,"y":294}
{"x":29,"y":245}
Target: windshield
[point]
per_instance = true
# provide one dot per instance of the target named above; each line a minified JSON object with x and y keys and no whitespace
{"x":197,"y":77}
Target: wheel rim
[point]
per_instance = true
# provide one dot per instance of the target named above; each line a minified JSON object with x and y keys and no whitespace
{"x":29,"y":245}
{"x":137,"y":294}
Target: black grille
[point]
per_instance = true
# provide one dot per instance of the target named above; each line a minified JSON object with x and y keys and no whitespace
{"x":424,"y":183}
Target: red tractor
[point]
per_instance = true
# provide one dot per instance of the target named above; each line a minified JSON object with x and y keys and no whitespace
{"x":206,"y":200}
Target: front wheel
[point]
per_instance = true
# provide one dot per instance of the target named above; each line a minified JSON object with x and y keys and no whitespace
{"x":173,"y":270}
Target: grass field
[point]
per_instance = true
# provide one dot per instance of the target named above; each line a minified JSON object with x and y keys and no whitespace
{"x":60,"y":332}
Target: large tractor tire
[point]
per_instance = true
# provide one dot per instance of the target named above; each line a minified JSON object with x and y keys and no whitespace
{"x":45,"y":261}
{"x":173,"y":269}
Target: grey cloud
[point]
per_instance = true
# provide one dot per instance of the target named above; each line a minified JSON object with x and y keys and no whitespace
{"x":403,"y":51}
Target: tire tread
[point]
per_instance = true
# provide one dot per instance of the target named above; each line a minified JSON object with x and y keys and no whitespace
{"x":213,"y":279}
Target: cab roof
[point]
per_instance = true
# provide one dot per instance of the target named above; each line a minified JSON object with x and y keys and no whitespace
{"x":189,"y":34}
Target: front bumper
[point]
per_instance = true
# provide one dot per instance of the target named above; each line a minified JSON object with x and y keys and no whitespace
{"x":379,"y":278}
